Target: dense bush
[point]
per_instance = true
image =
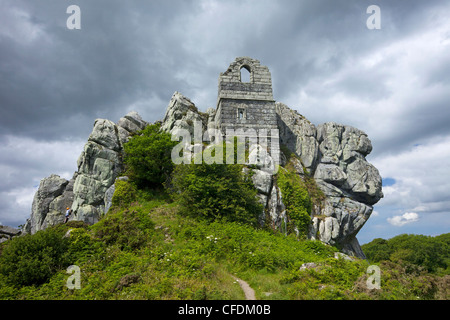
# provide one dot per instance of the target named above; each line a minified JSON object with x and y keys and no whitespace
{"x":127,"y":228}
{"x":429,"y":253}
{"x":215,"y":191}
{"x":148,"y":156}
{"x":124,"y":194}
{"x":33,"y":259}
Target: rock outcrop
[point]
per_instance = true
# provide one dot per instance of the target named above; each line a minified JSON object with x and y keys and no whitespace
{"x":49,"y":203}
{"x":298,"y":135}
{"x":181,"y":113}
{"x":333,"y":154}
{"x":98,"y":166}
{"x":7,"y":233}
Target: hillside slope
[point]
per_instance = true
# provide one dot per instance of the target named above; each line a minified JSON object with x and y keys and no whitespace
{"x":148,"y":250}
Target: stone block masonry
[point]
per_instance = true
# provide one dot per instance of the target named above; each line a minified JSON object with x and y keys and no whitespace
{"x":244,"y":105}
{"x":248,"y":107}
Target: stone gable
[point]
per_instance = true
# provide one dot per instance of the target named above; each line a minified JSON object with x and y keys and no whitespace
{"x":245,"y":105}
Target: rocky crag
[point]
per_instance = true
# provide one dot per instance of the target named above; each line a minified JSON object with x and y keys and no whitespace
{"x":333,"y":154}
{"x":90,"y":190}
{"x":7,"y":233}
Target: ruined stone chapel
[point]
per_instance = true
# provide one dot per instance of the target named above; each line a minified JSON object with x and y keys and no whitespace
{"x":247,"y":103}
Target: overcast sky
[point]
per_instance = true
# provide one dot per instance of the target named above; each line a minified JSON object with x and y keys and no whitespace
{"x":392,"y":83}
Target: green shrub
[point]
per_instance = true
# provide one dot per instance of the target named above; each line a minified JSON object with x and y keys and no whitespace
{"x":429,"y":253}
{"x":124,"y":194}
{"x":148,"y":156}
{"x":129,"y":228}
{"x":296,"y":199}
{"x":82,"y":245}
{"x":33,"y":259}
{"x":215,"y":191}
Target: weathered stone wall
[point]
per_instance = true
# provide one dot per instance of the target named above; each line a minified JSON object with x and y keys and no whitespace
{"x":254,"y":99}
{"x":259,"y":87}
{"x":257,"y":114}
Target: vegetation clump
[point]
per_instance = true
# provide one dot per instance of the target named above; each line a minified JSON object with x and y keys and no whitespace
{"x":415,"y":252}
{"x":148,"y":157}
{"x":215,"y":191}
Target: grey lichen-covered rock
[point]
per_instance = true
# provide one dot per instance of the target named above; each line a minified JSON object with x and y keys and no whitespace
{"x":98,"y":166}
{"x":132,"y":122}
{"x":7,"y":233}
{"x":129,"y":124}
{"x":351,"y":186}
{"x":334,"y":155}
{"x":262,"y":181}
{"x":298,"y":134}
{"x":108,"y":197}
{"x":49,"y":189}
{"x":331,"y":173}
{"x":342,"y":162}
{"x":181,"y":114}
{"x":105,"y":134}
{"x":276,"y":209}
{"x":57,"y":208}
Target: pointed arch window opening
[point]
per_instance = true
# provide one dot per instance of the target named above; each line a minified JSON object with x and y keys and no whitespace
{"x":245,"y":74}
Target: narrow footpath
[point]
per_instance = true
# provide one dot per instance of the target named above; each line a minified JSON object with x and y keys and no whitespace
{"x":248,"y":291}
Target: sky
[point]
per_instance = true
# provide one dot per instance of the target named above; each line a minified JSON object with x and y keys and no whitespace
{"x":392,"y":82}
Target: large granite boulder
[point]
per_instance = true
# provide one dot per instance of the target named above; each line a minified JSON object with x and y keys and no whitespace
{"x":182,"y":114}
{"x":298,"y":135}
{"x":99,"y":164}
{"x":334,"y":155}
{"x":351,"y":186}
{"x":7,"y":233}
{"x":49,"y":190}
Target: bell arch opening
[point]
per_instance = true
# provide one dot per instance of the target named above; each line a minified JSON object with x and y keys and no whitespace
{"x":245,"y":74}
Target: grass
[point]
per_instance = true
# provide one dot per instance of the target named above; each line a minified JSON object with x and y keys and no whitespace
{"x":148,"y":250}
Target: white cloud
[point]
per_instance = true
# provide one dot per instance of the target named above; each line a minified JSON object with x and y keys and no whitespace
{"x":396,"y":92}
{"x":420,"y":184}
{"x":405,"y":218}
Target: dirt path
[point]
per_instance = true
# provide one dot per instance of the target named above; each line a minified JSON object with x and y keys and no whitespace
{"x":248,"y":291}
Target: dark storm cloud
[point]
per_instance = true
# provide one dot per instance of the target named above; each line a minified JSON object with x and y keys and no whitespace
{"x":392,"y":83}
{"x":132,"y":51}
{"x":61,"y":78}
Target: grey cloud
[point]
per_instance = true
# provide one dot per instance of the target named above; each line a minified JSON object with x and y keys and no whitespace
{"x":111,"y":62}
{"x":128,"y":55}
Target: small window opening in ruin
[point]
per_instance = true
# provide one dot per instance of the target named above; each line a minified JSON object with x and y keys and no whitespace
{"x":245,"y":74}
{"x":241,"y":114}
